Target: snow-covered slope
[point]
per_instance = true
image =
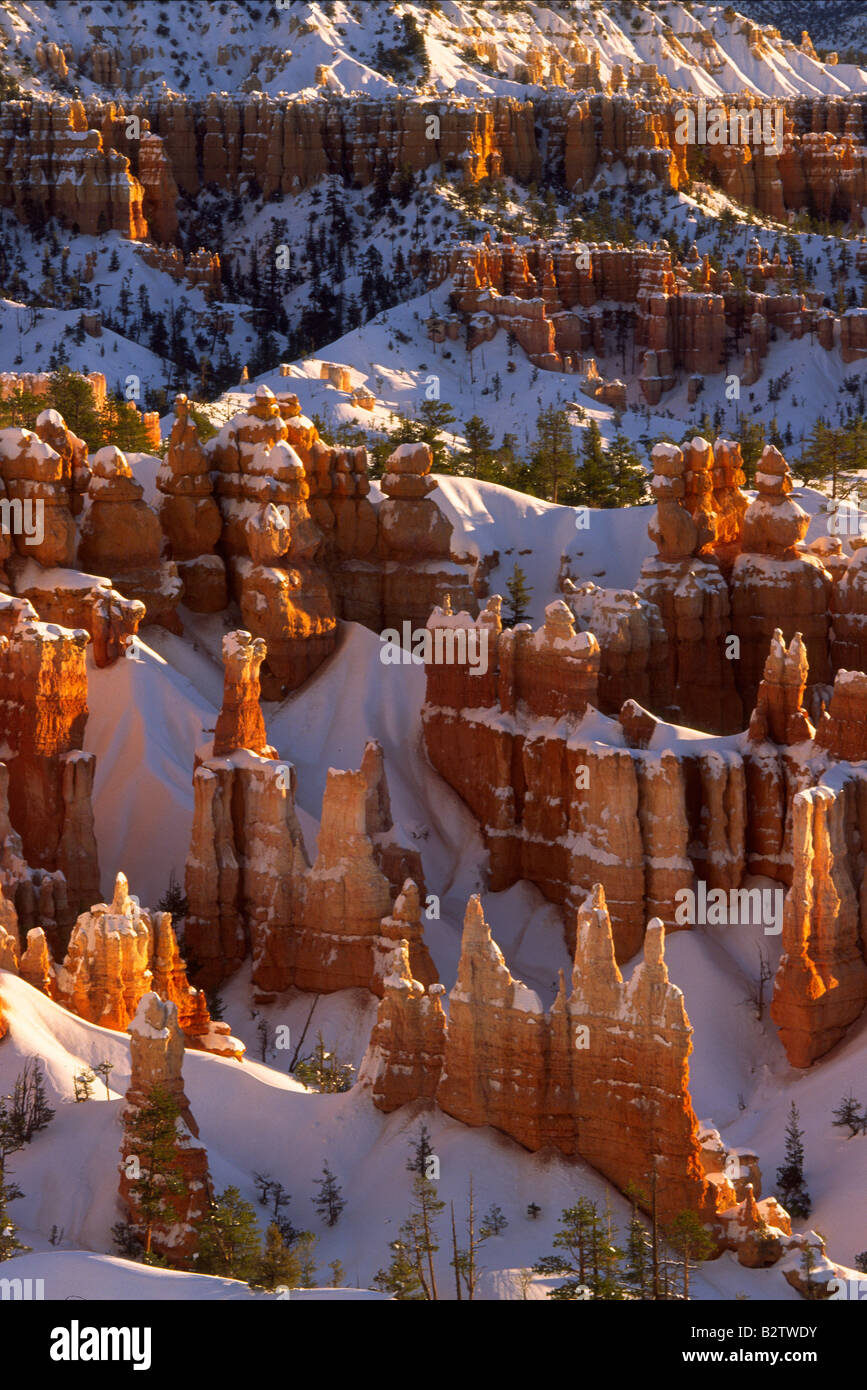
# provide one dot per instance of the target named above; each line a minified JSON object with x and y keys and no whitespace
{"x":351,"y":46}
{"x":279,"y":1128}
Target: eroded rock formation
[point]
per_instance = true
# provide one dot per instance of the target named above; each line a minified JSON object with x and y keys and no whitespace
{"x":43,"y":689}
{"x":156,"y":1057}
{"x":249,"y":882}
{"x":569,"y":1078}
{"x":190,"y":517}
{"x":821,"y":983}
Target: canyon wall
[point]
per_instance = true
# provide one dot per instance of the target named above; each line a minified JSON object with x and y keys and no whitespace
{"x":104,"y":165}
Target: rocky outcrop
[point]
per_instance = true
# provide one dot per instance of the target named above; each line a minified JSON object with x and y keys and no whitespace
{"x":842,"y":729}
{"x":347,"y":895}
{"x":156,"y":1058}
{"x":36,"y":966}
{"x":567,"y":1079}
{"x":55,"y":162}
{"x":687,"y":585}
{"x":523,"y":746}
{"x":190,"y":517}
{"x":117,"y":953}
{"x":43,"y":690}
{"x":404,"y":1057}
{"x":323,"y":928}
{"x":273,"y":544}
{"x":40,"y":480}
{"x":120,"y":536}
{"x":779,"y":714}
{"x":821,"y":983}
{"x":776,"y":585}
{"x":240,"y":723}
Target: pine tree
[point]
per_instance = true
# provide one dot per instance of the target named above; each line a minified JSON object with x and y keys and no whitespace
{"x":589,"y":1264}
{"x":477,"y":457}
{"x":10,"y":1142}
{"x":9,"y":1243}
{"x":750,"y":434}
{"x":401,"y":1278}
{"x":72,"y":395}
{"x":30,"y":1109}
{"x":229,"y":1240}
{"x":691,"y":1241}
{"x":329,"y":1203}
{"x":518,"y":598}
{"x":595,"y":486}
{"x":819,"y":457}
{"x":849,"y":1115}
{"x":790,"y":1175}
{"x":104,"y":1069}
{"x":321,"y":1070}
{"x":174,"y":900}
{"x":83,"y":1084}
{"x":494,"y":1223}
{"x":426,"y":1207}
{"x":151,"y":1138}
{"x":637,"y":1272}
{"x":277,"y":1266}
{"x":305,"y":1248}
{"x":422,"y":1151}
{"x":628,"y":473}
{"x":551,"y":473}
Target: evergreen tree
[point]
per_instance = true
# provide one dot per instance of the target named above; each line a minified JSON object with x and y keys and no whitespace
{"x":422,"y":1151}
{"x":229,"y":1240}
{"x":595,"y":486}
{"x":151,"y":1137}
{"x":628,"y":473}
{"x":83,"y":1083}
{"x":30,"y":1110}
{"x":10,"y":1142}
{"x":589,"y":1262}
{"x":476,"y":458}
{"x":551,"y":471}
{"x":638,"y":1272}
{"x":321,"y":1070}
{"x":435,"y":418}
{"x":401,"y":1278}
{"x":819,"y":457}
{"x":518,"y":599}
{"x":305,"y":1249}
{"x":9,"y":1243}
{"x":750,"y":434}
{"x":104,"y":1069}
{"x":849,"y":1115}
{"x":425,"y":1208}
{"x":277,"y":1265}
{"x":791,"y":1186}
{"x":494,"y":1223}
{"x":174,"y":900}
{"x":329,"y":1203}
{"x":72,"y":395}
{"x":690,"y":1241}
